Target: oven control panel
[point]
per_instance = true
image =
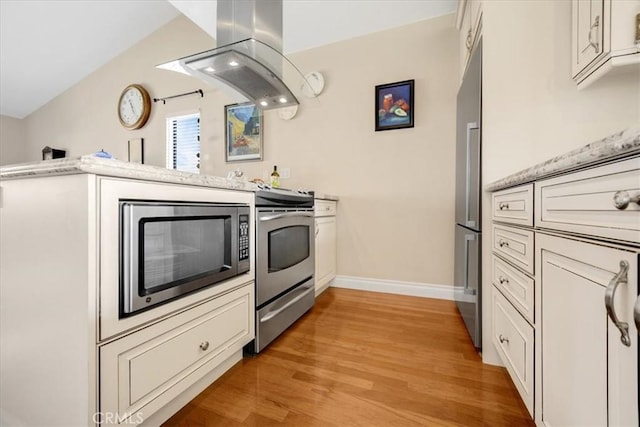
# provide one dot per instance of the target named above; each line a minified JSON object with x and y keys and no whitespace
{"x":243,"y":240}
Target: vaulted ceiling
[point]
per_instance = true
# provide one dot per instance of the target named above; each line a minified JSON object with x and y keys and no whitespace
{"x":47,"y":46}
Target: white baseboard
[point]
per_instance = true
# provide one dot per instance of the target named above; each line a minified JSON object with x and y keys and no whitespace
{"x":426,"y":290}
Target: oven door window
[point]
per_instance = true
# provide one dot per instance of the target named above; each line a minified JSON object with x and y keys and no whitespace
{"x":182,"y":249}
{"x":288,"y":246}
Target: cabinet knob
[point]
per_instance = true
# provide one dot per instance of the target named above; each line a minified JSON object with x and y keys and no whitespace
{"x":503,"y":243}
{"x":503,"y":279}
{"x":503,"y":339}
{"x":503,"y":206}
{"x":622,"y":199}
{"x":204,"y":346}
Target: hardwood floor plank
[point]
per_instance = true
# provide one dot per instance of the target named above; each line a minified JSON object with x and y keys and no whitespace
{"x":363,"y":358}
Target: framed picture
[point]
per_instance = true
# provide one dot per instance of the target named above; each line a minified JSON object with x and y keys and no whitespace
{"x":394,"y":105}
{"x":243,"y":132}
{"x":136,"y":150}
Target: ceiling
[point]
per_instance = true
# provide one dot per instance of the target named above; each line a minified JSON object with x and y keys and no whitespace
{"x":47,"y":46}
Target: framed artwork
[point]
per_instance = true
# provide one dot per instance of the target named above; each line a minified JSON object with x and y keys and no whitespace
{"x":243,"y":132}
{"x":136,"y":150}
{"x":394,"y":105}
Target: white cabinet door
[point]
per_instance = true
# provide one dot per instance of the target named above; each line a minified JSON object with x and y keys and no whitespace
{"x":588,"y":24}
{"x":589,"y":377}
{"x":325,"y":251}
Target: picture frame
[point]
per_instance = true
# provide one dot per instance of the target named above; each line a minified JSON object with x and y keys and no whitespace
{"x":394,"y":105}
{"x":243,"y":132}
{"x":136,"y":150}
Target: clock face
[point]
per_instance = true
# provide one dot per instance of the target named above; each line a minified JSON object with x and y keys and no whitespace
{"x":134,"y":107}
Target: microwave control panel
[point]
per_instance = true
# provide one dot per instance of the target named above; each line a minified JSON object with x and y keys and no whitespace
{"x":243,"y":241}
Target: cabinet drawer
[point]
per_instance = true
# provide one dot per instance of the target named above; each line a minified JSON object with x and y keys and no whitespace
{"x":513,"y":338}
{"x":515,"y":245}
{"x":584,"y":202}
{"x":142,"y":372}
{"x":514,"y":205}
{"x":515,"y":286}
{"x":325,"y":208}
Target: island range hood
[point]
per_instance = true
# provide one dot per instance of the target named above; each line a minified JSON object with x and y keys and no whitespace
{"x":249,"y":57}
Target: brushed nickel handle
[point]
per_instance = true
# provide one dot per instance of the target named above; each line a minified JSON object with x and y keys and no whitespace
{"x":503,"y":243}
{"x":503,"y":339}
{"x":636,"y":315}
{"x":204,"y":346}
{"x":469,"y":41}
{"x":503,"y":279}
{"x":609,"y":296}
{"x":503,"y":205}
{"x":596,"y":24}
{"x":622,"y":199}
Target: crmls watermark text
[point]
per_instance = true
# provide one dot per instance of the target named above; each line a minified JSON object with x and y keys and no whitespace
{"x":116,"y":418}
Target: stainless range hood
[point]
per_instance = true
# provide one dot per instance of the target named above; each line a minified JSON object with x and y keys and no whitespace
{"x":248,"y":57}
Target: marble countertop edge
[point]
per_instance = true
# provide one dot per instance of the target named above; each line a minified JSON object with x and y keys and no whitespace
{"x":621,"y":144}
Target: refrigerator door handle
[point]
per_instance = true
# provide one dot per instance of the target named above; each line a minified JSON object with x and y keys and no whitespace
{"x":470,"y":126}
{"x":467,"y":289}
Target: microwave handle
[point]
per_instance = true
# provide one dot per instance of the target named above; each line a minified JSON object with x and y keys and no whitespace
{"x":286,"y":215}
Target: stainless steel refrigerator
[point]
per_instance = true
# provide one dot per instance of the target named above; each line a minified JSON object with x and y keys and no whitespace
{"x":467,"y":277}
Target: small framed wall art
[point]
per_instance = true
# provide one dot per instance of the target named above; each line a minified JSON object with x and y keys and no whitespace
{"x":394,"y":105}
{"x":136,"y":150}
{"x":243,"y":132}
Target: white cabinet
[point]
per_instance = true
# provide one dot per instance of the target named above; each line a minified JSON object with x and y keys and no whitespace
{"x":326,"y":251}
{"x":469,"y":25}
{"x":588,"y":375}
{"x":604,"y":37}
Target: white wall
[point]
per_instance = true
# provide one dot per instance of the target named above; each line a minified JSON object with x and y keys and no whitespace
{"x":12,"y":140}
{"x":532,"y":109}
{"x":396,"y":188}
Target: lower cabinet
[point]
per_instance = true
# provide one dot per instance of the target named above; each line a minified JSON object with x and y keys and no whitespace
{"x":144,"y":371}
{"x":587,"y":374}
{"x":326,"y":230}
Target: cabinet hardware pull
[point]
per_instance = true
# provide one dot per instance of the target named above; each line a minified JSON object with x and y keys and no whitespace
{"x":204,"y":346}
{"x":594,"y":45}
{"x":469,"y":41}
{"x":609,"y":295}
{"x":503,"y":205}
{"x":636,"y":314}
{"x":622,"y":199}
{"x":503,"y":279}
{"x":503,"y":339}
{"x":503,"y":243}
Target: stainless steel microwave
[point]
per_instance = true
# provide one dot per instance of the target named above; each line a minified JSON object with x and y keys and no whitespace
{"x":170,"y":249}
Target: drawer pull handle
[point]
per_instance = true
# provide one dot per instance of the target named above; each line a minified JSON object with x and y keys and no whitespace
{"x":503,"y":279}
{"x":503,"y":206}
{"x":503,"y":243}
{"x":622,"y":199}
{"x":503,"y":339}
{"x":204,"y":346}
{"x":636,"y":314}
{"x":609,"y":296}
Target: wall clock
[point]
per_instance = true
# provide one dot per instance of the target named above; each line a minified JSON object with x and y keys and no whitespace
{"x":134,"y":107}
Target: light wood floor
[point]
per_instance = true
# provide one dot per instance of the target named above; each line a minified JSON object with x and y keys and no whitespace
{"x":363,"y":358}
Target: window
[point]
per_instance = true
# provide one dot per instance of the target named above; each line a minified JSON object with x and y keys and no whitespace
{"x":183,"y":143}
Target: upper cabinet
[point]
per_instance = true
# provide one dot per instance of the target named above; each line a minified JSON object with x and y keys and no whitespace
{"x":469,"y":25}
{"x":605,"y":36}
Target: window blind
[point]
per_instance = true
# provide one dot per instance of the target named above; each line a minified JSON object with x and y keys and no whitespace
{"x":183,"y":143}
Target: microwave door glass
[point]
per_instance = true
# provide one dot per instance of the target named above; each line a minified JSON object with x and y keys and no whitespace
{"x":288,"y":246}
{"x":182,"y":249}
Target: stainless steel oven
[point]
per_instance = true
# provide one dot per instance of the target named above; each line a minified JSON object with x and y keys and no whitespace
{"x":171,"y":249}
{"x":285,"y":261}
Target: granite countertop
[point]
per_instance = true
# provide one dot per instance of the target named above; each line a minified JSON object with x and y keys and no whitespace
{"x":621,"y":144}
{"x":325,"y":196}
{"x":116,"y":168}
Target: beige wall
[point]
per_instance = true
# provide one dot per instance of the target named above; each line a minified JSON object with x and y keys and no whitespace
{"x":395,"y":187}
{"x":532,"y":108}
{"x":12,"y":140}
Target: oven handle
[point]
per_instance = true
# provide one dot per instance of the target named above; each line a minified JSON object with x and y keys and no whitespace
{"x":286,"y":215}
{"x":273,"y":314}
